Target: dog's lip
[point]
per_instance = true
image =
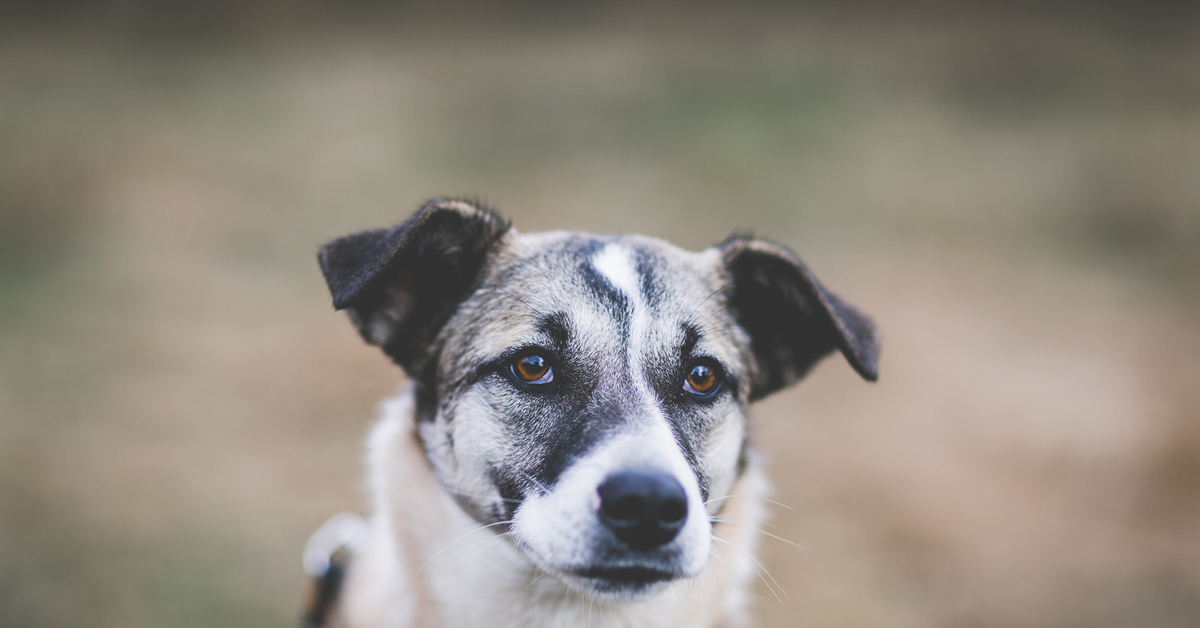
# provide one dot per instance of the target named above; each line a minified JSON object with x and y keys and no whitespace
{"x":626,"y":575}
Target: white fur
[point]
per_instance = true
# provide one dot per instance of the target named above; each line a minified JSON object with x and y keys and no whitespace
{"x":615,"y":263}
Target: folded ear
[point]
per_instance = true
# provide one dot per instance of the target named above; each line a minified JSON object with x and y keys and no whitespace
{"x":793,"y":321}
{"x":400,"y":285}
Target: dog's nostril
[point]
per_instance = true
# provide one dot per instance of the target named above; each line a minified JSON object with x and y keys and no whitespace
{"x":644,"y":509}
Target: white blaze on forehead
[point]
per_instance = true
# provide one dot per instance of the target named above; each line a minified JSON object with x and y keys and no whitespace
{"x":616,"y":264}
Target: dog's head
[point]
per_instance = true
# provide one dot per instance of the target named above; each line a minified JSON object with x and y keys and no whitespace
{"x":588,"y":392}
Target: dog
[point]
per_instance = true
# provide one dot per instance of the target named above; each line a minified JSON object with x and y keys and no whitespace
{"x":571,"y":445}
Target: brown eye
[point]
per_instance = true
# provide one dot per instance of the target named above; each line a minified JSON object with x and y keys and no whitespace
{"x":701,"y":381}
{"x":533,"y":369}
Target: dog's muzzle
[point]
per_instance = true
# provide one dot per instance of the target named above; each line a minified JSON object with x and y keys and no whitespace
{"x":645,"y":510}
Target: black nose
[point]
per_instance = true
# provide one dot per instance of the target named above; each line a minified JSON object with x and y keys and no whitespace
{"x":645,"y":509}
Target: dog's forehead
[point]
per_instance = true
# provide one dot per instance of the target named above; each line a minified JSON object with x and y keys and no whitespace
{"x":591,"y":284}
{"x":636,"y":266}
{"x":579,"y":274}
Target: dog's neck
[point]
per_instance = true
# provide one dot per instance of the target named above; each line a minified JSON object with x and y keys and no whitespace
{"x":429,"y":564}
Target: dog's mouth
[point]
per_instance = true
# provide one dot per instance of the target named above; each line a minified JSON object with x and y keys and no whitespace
{"x":624,"y":579}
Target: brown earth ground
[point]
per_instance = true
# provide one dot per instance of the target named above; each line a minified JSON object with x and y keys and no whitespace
{"x":1014,"y":194}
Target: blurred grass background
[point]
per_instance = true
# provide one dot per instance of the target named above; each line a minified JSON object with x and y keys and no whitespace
{"x":1011,"y":189}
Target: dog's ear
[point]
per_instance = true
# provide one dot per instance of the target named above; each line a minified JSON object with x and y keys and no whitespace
{"x":793,"y":321}
{"x":400,"y":285}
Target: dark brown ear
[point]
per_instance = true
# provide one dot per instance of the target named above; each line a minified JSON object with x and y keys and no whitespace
{"x":793,"y":321}
{"x":400,"y":285}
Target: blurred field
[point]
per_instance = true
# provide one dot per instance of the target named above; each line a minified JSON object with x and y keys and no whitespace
{"x":1013,"y":193}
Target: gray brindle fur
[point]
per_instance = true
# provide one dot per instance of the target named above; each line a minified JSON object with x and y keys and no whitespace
{"x":618,"y":489}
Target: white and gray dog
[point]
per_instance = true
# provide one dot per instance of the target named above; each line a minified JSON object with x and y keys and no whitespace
{"x":570,"y":448}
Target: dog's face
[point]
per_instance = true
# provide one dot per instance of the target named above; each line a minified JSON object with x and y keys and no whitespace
{"x":584,"y":372}
{"x":588,"y":393}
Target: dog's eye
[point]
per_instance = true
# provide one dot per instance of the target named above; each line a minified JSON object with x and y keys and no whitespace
{"x":533,"y":369}
{"x":702,"y":381}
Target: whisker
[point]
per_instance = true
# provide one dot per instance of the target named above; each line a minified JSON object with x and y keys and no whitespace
{"x":482,"y":495}
{"x":724,"y":328}
{"x":545,"y":491}
{"x":764,"y":570}
{"x":694,"y":583}
{"x":542,"y":575}
{"x":765,"y":524}
{"x":714,"y":313}
{"x":710,"y":295}
{"x":759,"y":530}
{"x":751,"y":496}
{"x":535,"y":310}
{"x":451,"y":544}
{"x":759,"y":569}
{"x":717,"y":574}
{"x":470,"y":547}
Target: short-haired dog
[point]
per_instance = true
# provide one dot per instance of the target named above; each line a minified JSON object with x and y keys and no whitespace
{"x":570,"y":447}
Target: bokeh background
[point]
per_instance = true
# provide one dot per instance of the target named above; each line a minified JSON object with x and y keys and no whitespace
{"x":1012,"y":189}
